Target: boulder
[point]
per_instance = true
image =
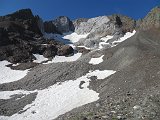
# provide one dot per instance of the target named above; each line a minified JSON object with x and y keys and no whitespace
{"x":65,"y":50}
{"x":50,"y":51}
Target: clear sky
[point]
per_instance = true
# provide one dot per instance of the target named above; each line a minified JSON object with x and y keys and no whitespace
{"x":49,"y":9}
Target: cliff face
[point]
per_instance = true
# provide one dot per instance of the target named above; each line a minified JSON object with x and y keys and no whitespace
{"x":60,"y":25}
{"x":21,"y":36}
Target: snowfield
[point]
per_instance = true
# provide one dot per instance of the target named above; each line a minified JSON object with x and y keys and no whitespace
{"x":126,"y":36}
{"x":67,"y":38}
{"x":59,"y":99}
{"x":74,"y":37}
{"x":96,"y":61}
{"x":8,"y":75}
{"x":58,"y":59}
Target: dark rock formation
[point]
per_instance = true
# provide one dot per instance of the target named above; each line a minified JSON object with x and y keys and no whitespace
{"x":21,"y":37}
{"x":50,"y":51}
{"x":49,"y":27}
{"x":61,"y":24}
{"x":65,"y":50}
{"x":126,"y":24}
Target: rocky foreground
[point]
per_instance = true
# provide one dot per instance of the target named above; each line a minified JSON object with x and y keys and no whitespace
{"x":116,"y":78}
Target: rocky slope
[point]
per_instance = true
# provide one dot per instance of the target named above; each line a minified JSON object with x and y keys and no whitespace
{"x":97,"y":28}
{"x":131,"y":92}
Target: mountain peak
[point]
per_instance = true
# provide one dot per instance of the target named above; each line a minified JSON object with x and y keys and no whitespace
{"x":152,"y":19}
{"x":22,"y":14}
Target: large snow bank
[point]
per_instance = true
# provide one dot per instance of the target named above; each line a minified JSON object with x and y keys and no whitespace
{"x":60,"y":98}
{"x":8,"y":75}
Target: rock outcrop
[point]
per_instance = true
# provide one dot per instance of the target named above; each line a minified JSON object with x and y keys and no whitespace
{"x":61,"y":24}
{"x":21,"y":37}
{"x":78,"y":21}
{"x":115,"y":25}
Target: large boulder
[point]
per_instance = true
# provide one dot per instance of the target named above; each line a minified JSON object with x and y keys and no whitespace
{"x":65,"y":50}
{"x":50,"y":51}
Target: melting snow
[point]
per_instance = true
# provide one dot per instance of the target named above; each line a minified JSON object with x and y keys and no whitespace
{"x":74,"y":37}
{"x":126,"y":36}
{"x":8,"y":75}
{"x":96,"y":61}
{"x":105,"y":39}
{"x":57,"y":59}
{"x":39,"y":58}
{"x":60,"y":98}
{"x":67,"y":38}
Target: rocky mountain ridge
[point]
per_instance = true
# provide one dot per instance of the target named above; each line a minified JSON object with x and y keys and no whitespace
{"x":22,"y":31}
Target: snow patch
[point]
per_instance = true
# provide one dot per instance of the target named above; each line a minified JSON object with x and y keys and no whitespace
{"x":8,"y":75}
{"x":96,"y":61}
{"x":58,"y":59}
{"x":74,"y":37}
{"x":60,"y":98}
{"x":105,"y":39}
{"x":67,"y":38}
{"x":126,"y":36}
{"x":39,"y":58}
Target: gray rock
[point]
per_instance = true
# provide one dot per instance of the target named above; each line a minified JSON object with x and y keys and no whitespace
{"x":151,"y":21}
{"x":63,"y":24}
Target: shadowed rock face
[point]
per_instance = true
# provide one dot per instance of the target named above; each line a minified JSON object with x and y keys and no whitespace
{"x":21,"y":37}
{"x":49,"y":27}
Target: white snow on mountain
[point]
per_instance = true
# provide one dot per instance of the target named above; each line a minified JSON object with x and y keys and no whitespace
{"x":125,"y":37}
{"x":60,"y":98}
{"x":105,"y":39}
{"x":58,"y":59}
{"x":8,"y":75}
{"x":74,"y":37}
{"x":96,"y":61}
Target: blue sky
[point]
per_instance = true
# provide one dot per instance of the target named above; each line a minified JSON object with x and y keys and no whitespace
{"x":49,"y":9}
